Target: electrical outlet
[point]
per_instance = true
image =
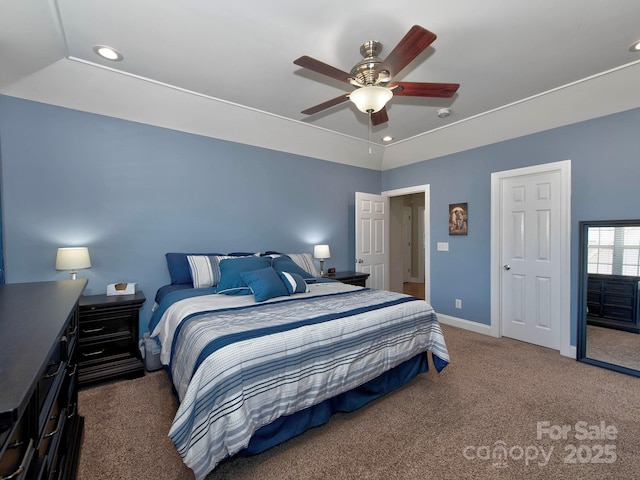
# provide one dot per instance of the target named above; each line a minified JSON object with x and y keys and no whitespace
{"x":458,"y":303}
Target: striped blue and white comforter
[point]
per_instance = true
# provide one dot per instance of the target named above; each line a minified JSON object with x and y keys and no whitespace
{"x":240,"y":365}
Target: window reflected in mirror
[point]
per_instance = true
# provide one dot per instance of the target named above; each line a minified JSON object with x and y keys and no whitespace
{"x":614,"y":251}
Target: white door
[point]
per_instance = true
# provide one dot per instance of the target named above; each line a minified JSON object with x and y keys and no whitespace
{"x":406,"y":243}
{"x":372,"y":233}
{"x":421,"y":247}
{"x":531,"y":268}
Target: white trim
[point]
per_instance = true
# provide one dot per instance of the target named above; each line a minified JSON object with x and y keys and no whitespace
{"x":426,"y":189}
{"x":476,"y":327}
{"x":564,"y":167}
{"x":484,"y":329}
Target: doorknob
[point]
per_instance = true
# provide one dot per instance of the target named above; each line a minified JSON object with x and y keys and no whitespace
{"x":359,"y":260}
{"x":507,"y":267}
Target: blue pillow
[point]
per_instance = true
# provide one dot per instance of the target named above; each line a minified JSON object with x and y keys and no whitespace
{"x":294,"y":282}
{"x":265,"y":284}
{"x":231,"y":283}
{"x":179,"y":269}
{"x":285,"y":264}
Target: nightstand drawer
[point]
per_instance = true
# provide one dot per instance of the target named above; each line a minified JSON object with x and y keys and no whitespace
{"x":93,"y":326}
{"x":99,"y":352}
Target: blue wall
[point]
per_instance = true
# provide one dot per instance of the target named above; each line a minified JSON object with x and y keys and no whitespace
{"x":132,"y":192}
{"x":605,"y":168}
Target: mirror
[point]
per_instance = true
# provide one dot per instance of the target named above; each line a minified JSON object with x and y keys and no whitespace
{"x":609,"y":295}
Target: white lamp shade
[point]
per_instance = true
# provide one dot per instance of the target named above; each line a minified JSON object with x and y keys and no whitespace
{"x":73,"y":258}
{"x":370,"y":98}
{"x":321,"y":251}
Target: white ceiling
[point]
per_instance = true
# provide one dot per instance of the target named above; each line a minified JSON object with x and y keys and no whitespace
{"x":226,"y":70}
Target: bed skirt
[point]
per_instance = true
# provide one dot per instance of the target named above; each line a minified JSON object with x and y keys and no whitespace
{"x":292,"y":425}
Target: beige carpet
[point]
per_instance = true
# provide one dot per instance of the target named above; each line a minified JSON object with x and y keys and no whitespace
{"x":476,"y":420}
{"x":613,"y":346}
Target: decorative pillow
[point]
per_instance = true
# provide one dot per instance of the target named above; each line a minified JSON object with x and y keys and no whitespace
{"x":178,"y":265}
{"x":285,"y":264}
{"x":265,"y":284}
{"x":205,"y":270}
{"x":294,"y":282}
{"x":231,"y":283}
{"x":305,"y":261}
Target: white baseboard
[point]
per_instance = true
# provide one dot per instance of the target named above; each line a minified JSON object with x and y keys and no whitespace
{"x":466,"y":324}
{"x":570,"y":351}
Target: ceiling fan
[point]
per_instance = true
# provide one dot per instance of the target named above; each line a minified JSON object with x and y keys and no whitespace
{"x":373,"y":76}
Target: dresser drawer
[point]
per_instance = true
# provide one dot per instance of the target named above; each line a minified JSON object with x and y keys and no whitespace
{"x":50,"y":382}
{"x":49,"y":444}
{"x":594,"y":309}
{"x":619,"y":313}
{"x":620,"y":288}
{"x":594,"y":297}
{"x":618,"y":301}
{"x":18,"y":452}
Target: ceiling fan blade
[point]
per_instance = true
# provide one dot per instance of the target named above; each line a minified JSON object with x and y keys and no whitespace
{"x":412,"y":44}
{"x":417,"y":89}
{"x":379,"y":117}
{"x":322,"y":68}
{"x":327,"y":104}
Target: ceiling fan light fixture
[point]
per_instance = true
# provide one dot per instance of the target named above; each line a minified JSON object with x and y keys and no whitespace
{"x":371,"y":98}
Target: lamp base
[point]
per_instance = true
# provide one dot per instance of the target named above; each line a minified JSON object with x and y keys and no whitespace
{"x":74,"y":275}
{"x":321,"y":267}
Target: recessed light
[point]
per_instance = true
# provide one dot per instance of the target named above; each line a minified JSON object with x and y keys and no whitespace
{"x":108,"y":53}
{"x":444,"y":113}
{"x":388,"y":138}
{"x":635,"y":47}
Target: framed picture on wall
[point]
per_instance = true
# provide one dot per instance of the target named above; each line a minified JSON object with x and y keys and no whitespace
{"x":458,"y":219}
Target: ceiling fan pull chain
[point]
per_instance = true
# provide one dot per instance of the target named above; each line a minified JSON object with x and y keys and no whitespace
{"x":369,"y":132}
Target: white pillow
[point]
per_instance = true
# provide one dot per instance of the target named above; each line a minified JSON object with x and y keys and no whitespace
{"x":305,"y":261}
{"x":205,"y":270}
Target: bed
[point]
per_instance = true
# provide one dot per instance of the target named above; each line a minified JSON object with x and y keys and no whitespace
{"x":259,"y":350}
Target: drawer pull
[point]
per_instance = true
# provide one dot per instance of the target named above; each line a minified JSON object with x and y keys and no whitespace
{"x":93,"y":354}
{"x":73,"y":332}
{"x":59,"y":425}
{"x":75,"y":369}
{"x":93,"y":330}
{"x":54,"y":374}
{"x":73,"y":410}
{"x":26,"y":460}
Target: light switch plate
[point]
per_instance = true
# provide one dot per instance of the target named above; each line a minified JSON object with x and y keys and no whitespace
{"x":443,"y":246}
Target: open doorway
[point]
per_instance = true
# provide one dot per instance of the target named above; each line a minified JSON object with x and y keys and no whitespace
{"x":409,"y":241}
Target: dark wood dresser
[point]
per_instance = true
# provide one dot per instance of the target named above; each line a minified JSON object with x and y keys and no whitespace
{"x":40,"y":428}
{"x":109,"y":337}
{"x":613,"y":301}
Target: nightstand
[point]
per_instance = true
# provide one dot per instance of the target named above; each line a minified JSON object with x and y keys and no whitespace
{"x":352,"y":278}
{"x":109,"y":337}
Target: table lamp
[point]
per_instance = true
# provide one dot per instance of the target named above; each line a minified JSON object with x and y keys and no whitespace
{"x":72,"y":259}
{"x":321,"y":252}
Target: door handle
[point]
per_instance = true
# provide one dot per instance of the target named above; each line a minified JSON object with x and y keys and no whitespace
{"x":507,"y":267}
{"x":359,"y":260}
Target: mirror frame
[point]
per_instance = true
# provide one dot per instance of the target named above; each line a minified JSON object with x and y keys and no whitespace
{"x":582,"y":295}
